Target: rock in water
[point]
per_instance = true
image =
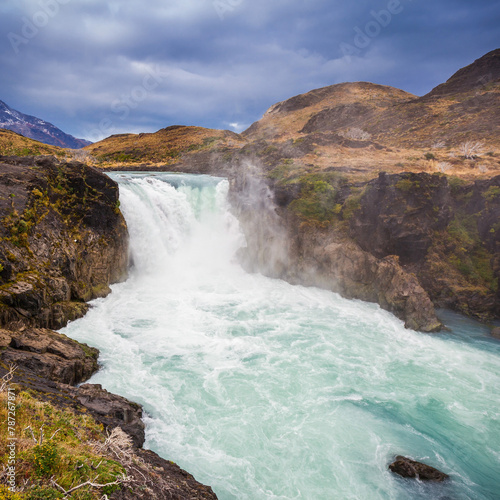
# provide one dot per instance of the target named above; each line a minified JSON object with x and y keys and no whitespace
{"x":406,"y":467}
{"x":495,"y":332}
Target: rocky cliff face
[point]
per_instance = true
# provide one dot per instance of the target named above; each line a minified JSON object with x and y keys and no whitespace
{"x":63,"y":240}
{"x":408,"y":242}
{"x":444,"y":231}
{"x":282,"y":245}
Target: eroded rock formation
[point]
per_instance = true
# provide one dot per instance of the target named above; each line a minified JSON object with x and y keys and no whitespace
{"x":63,"y":240}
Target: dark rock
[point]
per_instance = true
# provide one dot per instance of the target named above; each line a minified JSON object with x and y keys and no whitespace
{"x":63,"y":240}
{"x":406,"y":467}
{"x":398,"y":215}
{"x":112,"y":410}
{"x":165,"y":480}
{"x":495,"y":332}
{"x":49,"y":355}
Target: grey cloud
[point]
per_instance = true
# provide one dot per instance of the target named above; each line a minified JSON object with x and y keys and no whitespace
{"x":93,"y":56}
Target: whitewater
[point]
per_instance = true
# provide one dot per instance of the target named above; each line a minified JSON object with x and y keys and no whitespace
{"x":265,"y":390}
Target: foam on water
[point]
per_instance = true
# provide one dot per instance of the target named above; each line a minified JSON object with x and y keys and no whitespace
{"x":266,"y":390}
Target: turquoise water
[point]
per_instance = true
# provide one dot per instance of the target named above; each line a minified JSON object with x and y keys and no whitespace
{"x":265,"y":390}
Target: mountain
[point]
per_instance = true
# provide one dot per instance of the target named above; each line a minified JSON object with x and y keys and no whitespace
{"x":482,"y":72}
{"x":358,"y":128}
{"x":37,"y":129}
{"x":466,"y":107}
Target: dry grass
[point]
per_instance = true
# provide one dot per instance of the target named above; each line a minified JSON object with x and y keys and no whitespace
{"x":163,"y":147}
{"x":13,"y":144}
{"x":52,"y":446}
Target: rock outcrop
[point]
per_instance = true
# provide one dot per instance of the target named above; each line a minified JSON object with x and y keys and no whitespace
{"x":443,"y":230}
{"x":112,"y":410}
{"x":42,"y":353}
{"x":281,"y":245}
{"x":406,"y":467}
{"x":63,"y":240}
{"x":408,"y":242}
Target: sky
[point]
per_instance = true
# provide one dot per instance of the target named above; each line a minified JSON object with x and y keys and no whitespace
{"x":95,"y":68}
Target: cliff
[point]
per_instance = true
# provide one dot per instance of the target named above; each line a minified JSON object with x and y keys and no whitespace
{"x":63,"y":241}
{"x":409,"y":242}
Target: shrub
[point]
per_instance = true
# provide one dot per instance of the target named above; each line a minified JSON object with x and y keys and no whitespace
{"x":471,"y":149}
{"x":44,"y":458}
{"x":40,"y":493}
{"x":444,"y":166}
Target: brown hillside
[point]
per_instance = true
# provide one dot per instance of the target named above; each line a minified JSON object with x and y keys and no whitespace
{"x":482,"y":72}
{"x":364,"y":128}
{"x":14,"y":144}
{"x":357,"y":128}
{"x":167,"y":146}
{"x":329,"y":109}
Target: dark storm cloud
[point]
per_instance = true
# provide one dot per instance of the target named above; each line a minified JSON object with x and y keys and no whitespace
{"x":95,"y":68}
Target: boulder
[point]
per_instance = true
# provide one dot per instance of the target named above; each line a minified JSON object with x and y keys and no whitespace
{"x":112,"y":410}
{"x":43,"y":354}
{"x":406,"y":467}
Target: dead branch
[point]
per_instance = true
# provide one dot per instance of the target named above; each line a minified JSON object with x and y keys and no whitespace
{"x":122,"y":480}
{"x":32,"y":433}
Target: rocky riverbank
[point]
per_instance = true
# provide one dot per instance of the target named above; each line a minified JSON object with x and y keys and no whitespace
{"x":63,"y":241}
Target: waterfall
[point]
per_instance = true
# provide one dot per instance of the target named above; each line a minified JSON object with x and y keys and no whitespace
{"x":265,"y":390}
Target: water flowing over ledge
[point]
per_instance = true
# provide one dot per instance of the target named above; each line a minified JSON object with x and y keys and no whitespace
{"x":267,"y":390}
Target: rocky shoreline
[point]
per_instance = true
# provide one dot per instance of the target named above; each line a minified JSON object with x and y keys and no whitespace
{"x":55,"y":213}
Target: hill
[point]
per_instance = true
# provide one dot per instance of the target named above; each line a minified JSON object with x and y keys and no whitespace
{"x":166,"y":147}
{"x":37,"y":129}
{"x":371,"y":128}
{"x":360,"y":129}
{"x":14,"y":144}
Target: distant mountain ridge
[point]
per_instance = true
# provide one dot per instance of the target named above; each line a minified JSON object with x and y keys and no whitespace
{"x":37,"y":129}
{"x":466,"y":107}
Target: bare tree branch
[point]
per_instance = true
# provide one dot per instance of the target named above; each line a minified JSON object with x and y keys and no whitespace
{"x":5,"y":380}
{"x":122,"y":480}
{"x":32,"y":433}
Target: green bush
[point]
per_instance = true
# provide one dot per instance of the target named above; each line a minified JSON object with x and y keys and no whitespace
{"x":39,"y":493}
{"x":317,"y":200}
{"x":44,"y":458}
